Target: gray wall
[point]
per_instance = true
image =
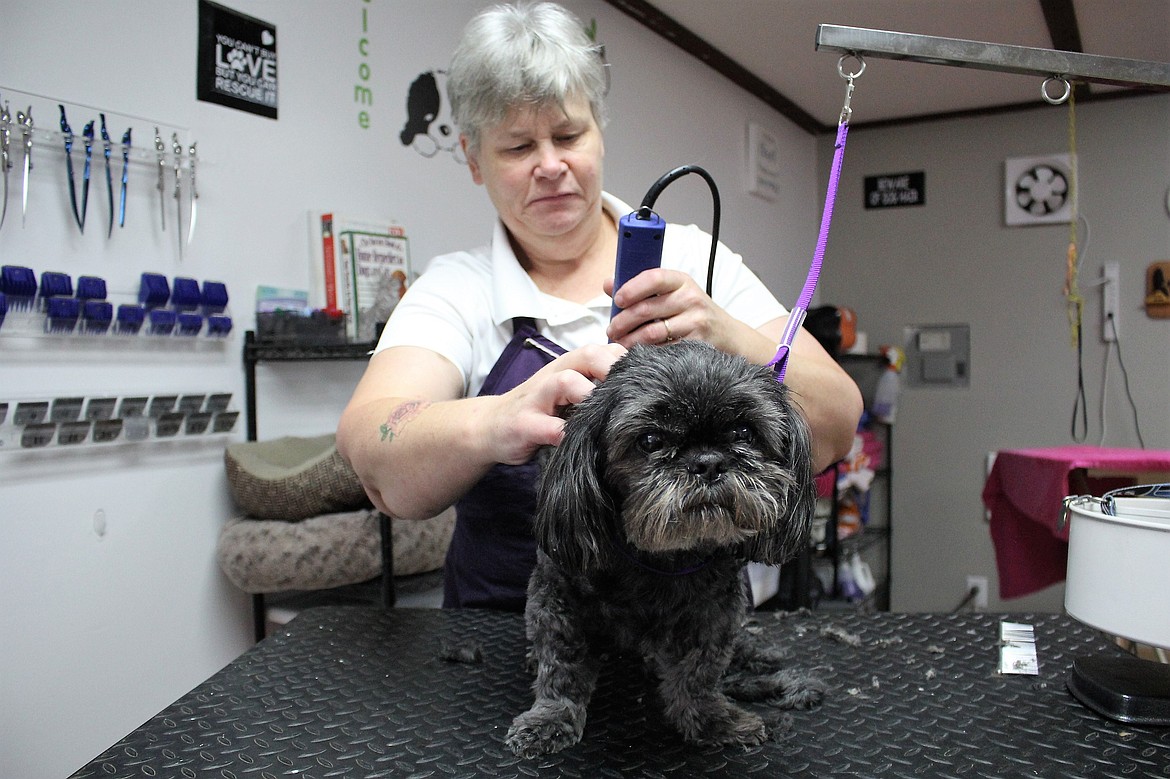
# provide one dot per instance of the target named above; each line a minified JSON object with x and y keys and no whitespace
{"x":952,"y":261}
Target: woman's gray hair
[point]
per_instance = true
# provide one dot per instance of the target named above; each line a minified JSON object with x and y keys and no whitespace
{"x":522,"y":55}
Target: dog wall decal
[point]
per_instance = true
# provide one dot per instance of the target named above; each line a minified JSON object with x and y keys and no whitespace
{"x":429,"y":128}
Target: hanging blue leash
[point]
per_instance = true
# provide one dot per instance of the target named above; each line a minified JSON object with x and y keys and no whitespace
{"x":796,"y":317}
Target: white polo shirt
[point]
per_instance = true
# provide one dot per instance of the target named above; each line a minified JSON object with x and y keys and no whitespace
{"x":461,"y":307}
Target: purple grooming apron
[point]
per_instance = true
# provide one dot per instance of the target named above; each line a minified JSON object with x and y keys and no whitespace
{"x":492,"y":550}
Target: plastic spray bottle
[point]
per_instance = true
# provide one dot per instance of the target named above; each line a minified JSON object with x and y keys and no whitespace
{"x":885,"y":397}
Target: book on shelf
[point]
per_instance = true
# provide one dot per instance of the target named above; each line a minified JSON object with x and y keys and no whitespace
{"x":361,"y":267}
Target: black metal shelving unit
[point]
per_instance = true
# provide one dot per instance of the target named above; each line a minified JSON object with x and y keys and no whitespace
{"x":258,"y":350}
{"x":866,"y":369}
{"x":867,"y":537}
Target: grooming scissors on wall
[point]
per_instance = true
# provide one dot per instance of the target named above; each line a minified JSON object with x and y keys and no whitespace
{"x":68,"y":132}
{"x":87,"y":133}
{"x":125,"y":175}
{"x":106,"y":148}
{"x":5,"y":154}
{"x":25,"y":121}
{"x":194,"y":196}
{"x":177,"y":149}
{"x":161,"y":152}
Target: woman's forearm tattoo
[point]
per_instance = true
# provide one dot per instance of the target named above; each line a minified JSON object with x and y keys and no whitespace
{"x":399,"y":417}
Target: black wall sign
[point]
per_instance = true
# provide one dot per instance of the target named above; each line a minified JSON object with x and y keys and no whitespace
{"x":237,"y":60}
{"x":895,"y":190}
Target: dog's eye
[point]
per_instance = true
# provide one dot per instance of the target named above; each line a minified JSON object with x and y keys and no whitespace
{"x":650,"y":442}
{"x":741,"y":435}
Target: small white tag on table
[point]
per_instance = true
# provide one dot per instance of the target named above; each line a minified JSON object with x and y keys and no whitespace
{"x":1017,"y":649}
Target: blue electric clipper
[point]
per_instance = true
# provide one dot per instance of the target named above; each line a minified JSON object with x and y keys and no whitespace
{"x":640,"y":236}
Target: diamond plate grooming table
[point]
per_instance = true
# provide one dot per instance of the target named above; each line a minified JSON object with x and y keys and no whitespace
{"x":356,"y":692}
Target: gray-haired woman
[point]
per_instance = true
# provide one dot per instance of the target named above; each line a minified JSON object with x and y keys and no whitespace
{"x":466,"y":382}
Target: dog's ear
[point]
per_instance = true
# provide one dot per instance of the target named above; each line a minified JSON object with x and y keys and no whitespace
{"x":574,"y":511}
{"x":798,"y":497}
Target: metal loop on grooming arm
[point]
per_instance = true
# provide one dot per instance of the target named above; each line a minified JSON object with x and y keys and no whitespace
{"x":841,"y":66}
{"x":1062,"y":97}
{"x":846,"y":110}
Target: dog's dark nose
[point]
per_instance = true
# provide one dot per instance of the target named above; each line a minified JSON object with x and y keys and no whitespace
{"x":708,"y":465}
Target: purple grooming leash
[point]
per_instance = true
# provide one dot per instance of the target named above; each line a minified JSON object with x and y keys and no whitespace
{"x":779,"y":363}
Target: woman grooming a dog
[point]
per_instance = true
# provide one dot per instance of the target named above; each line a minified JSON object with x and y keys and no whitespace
{"x":489,"y":346}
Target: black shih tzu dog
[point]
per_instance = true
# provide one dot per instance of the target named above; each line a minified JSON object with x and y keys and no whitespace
{"x":682,"y":466}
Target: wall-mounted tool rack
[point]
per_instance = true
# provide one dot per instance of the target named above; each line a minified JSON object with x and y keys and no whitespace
{"x":39,"y":424}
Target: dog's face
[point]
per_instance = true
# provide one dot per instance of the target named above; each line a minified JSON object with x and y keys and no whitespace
{"x":682,"y":447}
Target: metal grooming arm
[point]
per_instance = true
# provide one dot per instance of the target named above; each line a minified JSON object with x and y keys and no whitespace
{"x":1047,"y":63}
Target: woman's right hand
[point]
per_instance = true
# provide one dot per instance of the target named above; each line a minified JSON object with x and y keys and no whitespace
{"x":417,"y":446}
{"x":531,"y":415}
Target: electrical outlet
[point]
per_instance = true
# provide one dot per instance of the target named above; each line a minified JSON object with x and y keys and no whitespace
{"x":979,"y":584}
{"x":1110,"y":295}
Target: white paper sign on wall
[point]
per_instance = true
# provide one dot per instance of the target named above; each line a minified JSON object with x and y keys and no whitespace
{"x":763,"y":162}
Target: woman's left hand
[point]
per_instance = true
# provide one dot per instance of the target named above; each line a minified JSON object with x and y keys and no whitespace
{"x":665,"y":305}
{"x":660,"y":306}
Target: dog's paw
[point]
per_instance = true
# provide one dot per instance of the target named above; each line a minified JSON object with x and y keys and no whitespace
{"x":779,"y":724}
{"x":735,"y":728}
{"x":545,"y":728}
{"x":713,"y":720}
{"x":799,"y":691}
{"x":749,"y":730}
{"x":785,"y":689}
{"x":756,"y":657}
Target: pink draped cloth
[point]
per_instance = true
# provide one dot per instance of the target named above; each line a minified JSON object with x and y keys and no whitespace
{"x":1024,"y":494}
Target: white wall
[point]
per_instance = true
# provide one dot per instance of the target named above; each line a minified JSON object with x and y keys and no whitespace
{"x":953,"y":261}
{"x":97,"y":633}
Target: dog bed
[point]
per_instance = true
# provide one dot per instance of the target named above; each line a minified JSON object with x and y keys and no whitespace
{"x":331,"y":550}
{"x":292,"y":478}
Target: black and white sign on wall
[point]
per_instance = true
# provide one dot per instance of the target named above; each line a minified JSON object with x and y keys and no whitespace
{"x":237,"y":60}
{"x":895,"y":190}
